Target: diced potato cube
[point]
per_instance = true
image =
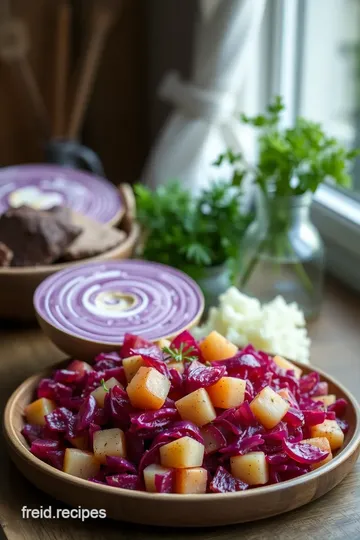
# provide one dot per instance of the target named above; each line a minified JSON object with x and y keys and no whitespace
{"x":182,"y":453}
{"x":323,"y":444}
{"x":79,"y":366}
{"x":148,"y":389}
{"x":326,"y":400}
{"x":196,"y":407}
{"x":109,"y":442}
{"x":191,"y":480}
{"x":216,"y":347}
{"x":179,"y":366}
{"x":37,"y":410}
{"x":81,"y":442}
{"x":331,"y":430}
{"x":227,"y":393}
{"x":268,"y":407}
{"x":285,"y":364}
{"x":163,"y":343}
{"x":100,"y":392}
{"x":149,"y":475}
{"x":251,"y":468}
{"x":131,"y":366}
{"x":81,"y":464}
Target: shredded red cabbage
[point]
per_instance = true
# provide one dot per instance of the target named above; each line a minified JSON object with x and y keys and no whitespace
{"x":199,"y":376}
{"x":224,"y":482}
{"x":164,"y":483}
{"x":236,"y":431}
{"x":124,"y":481}
{"x":120,"y":465}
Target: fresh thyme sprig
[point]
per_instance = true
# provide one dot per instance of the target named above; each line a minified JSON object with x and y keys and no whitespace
{"x":181,"y":354}
{"x":103,"y":384}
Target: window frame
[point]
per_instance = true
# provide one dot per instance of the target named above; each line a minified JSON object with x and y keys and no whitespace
{"x":335,"y":213}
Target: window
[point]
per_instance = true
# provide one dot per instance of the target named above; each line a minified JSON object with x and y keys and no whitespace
{"x":316,"y":61}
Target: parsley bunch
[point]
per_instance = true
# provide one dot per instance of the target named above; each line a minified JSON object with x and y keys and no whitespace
{"x":186,"y":231}
{"x":298,"y":159}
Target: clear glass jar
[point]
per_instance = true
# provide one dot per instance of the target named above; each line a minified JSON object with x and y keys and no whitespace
{"x":282,"y":253}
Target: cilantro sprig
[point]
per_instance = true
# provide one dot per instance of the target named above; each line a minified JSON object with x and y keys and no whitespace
{"x":180,"y":354}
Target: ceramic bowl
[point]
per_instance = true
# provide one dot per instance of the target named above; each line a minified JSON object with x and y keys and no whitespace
{"x":88,"y":309}
{"x":180,"y":510}
{"x":18,"y":285}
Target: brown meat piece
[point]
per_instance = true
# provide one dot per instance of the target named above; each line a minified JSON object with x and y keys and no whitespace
{"x":37,"y":237}
{"x":6,"y":255}
{"x":96,"y":238}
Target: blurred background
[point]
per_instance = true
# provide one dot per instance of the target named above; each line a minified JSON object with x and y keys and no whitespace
{"x":308,"y":51}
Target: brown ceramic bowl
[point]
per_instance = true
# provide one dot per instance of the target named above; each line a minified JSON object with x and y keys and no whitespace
{"x":180,"y":510}
{"x":80,"y":312}
{"x":17,"y":285}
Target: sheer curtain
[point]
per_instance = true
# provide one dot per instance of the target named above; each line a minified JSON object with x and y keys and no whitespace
{"x":204,"y":119}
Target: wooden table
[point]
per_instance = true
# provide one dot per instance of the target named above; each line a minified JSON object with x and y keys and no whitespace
{"x":336,"y":349}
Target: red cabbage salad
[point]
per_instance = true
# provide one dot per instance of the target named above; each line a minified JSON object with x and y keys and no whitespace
{"x":184,"y":417}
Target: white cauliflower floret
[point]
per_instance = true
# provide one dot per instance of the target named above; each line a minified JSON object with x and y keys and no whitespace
{"x":275,"y":327}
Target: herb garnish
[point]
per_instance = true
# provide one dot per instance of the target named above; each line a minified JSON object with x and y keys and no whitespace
{"x":181,"y":354}
{"x":103,"y":384}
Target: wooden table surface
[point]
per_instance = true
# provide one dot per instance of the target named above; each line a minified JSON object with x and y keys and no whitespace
{"x":336,"y":349}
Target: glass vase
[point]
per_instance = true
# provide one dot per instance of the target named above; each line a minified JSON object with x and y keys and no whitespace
{"x":212,"y":280}
{"x":282,"y":253}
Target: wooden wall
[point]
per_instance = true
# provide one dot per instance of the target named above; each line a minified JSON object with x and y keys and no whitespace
{"x":116,"y":123}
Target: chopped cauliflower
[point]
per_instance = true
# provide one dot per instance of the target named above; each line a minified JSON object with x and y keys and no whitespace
{"x":276,"y":327}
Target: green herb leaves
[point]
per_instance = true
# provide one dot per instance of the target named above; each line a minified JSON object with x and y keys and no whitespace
{"x":187,"y":231}
{"x":103,"y":384}
{"x":179,"y":355}
{"x":298,"y":159}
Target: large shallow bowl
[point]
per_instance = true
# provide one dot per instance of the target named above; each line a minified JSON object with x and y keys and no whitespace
{"x":18,"y":285}
{"x":180,"y":510}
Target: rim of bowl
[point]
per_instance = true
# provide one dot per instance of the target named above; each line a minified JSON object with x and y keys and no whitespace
{"x":45,"y":269}
{"x":191,"y":324}
{"x":20,"y":448}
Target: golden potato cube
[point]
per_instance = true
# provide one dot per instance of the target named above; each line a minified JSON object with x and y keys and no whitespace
{"x":323,"y":444}
{"x":81,"y":464}
{"x":81,"y":442}
{"x":179,"y":366}
{"x":331,"y":430}
{"x":100,"y":392}
{"x":149,"y":475}
{"x":285,"y":364}
{"x":37,"y":410}
{"x":268,"y":407}
{"x":227,"y":393}
{"x":131,"y":366}
{"x":182,"y":453}
{"x":191,"y":480}
{"x":163,"y":343}
{"x":196,"y":407}
{"x":216,"y":347}
{"x":148,"y":389}
{"x":109,"y":442}
{"x":327,"y":400}
{"x":251,"y":468}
